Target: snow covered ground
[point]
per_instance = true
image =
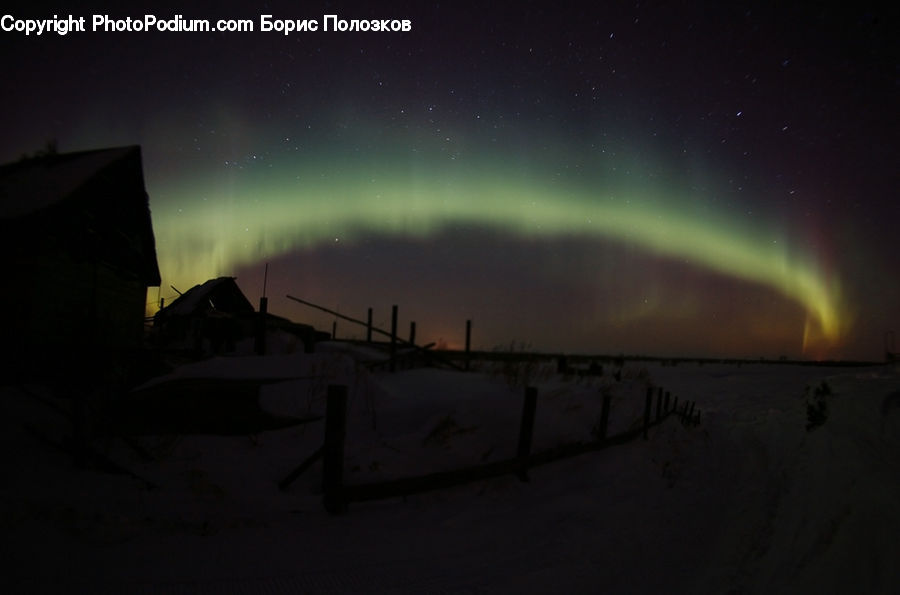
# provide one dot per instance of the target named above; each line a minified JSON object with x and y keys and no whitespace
{"x":747,"y":502}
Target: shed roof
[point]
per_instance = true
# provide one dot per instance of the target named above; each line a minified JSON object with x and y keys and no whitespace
{"x":197,"y":296}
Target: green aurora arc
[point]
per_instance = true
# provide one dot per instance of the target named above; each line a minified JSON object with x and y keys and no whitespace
{"x":244,"y":217}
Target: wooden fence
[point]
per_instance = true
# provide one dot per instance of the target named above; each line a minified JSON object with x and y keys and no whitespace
{"x":337,"y":495}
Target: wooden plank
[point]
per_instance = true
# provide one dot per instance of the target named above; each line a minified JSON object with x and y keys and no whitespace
{"x":306,"y":464}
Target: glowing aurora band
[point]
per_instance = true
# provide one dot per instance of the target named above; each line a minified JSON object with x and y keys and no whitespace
{"x":216,"y":235}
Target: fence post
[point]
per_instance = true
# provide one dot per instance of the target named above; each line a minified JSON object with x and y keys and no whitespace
{"x":260,"y":346}
{"x":526,"y":431}
{"x":334,"y":330}
{"x":333,"y":457}
{"x":412,"y":332}
{"x":369,"y":327}
{"x":393,"y":364}
{"x":468,"y":341}
{"x":604,"y":417}
{"x":659,"y":396}
{"x":647,"y":407}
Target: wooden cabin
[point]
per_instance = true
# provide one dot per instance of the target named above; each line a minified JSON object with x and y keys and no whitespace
{"x":78,"y":254}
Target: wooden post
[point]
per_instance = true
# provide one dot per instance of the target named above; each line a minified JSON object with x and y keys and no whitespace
{"x":412,"y":332}
{"x":526,"y":431}
{"x":647,"y":408}
{"x":659,"y":396}
{"x":260,"y":345}
{"x":394,"y":338}
{"x":369,"y":327}
{"x":334,"y":330}
{"x":604,"y":417}
{"x":666,"y":406}
{"x":333,"y":456}
{"x":468,"y":342}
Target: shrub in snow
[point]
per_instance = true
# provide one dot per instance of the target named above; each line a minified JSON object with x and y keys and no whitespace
{"x":636,"y":374}
{"x":446,"y":428}
{"x":517,"y":368}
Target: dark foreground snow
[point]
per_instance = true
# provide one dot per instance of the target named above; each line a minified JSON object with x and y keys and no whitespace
{"x":747,"y":502}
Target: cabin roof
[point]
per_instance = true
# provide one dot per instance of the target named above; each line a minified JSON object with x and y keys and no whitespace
{"x":204,"y":297}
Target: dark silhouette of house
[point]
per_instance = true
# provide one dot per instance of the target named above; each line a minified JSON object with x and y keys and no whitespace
{"x":78,"y":254}
{"x":211,"y":318}
{"x":206,"y":317}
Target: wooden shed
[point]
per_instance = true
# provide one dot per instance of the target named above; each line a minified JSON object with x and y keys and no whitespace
{"x":215,"y":316}
{"x":78,"y":254}
{"x":213,"y":313}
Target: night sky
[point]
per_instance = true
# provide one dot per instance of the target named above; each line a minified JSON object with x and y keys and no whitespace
{"x":673,"y":179}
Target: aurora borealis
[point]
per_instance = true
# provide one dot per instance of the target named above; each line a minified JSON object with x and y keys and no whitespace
{"x":283,"y":217}
{"x":640,"y":178}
